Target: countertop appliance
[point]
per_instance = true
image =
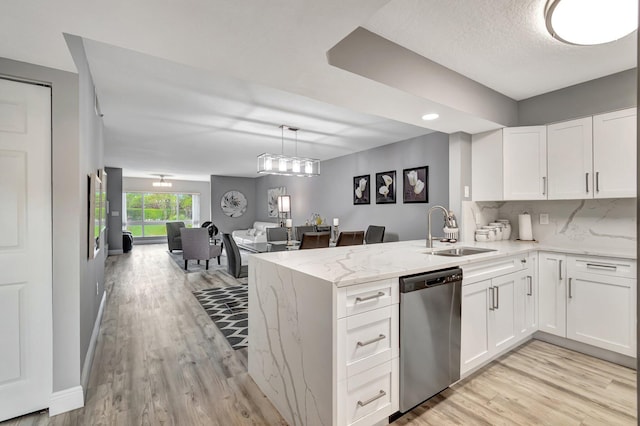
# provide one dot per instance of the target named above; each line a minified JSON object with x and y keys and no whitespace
{"x":430,"y":310}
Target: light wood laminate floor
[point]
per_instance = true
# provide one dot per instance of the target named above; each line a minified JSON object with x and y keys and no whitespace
{"x":161,"y":361}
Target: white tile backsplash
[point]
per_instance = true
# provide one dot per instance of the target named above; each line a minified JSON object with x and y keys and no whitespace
{"x":609,"y":223}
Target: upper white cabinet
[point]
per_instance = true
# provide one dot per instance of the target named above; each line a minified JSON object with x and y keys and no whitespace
{"x":525,"y":163}
{"x":591,"y":157}
{"x":614,"y":154}
{"x":486,"y":166}
{"x":570,"y":159}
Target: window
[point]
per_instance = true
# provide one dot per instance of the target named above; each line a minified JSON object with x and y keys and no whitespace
{"x":145,"y":213}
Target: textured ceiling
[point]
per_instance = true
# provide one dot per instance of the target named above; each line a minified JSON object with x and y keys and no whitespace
{"x":502,"y":44}
{"x":237,"y":50}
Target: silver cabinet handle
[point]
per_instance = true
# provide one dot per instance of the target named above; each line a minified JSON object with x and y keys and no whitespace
{"x":373,"y":398}
{"x":560,"y":270}
{"x":586,"y":181}
{"x":600,"y":266}
{"x":492,"y":306}
{"x":374,"y":296}
{"x":530,"y":279}
{"x":497,"y":297}
{"x":544,"y":185}
{"x":375,"y":339}
{"x":570,"y":295}
{"x":597,"y":181}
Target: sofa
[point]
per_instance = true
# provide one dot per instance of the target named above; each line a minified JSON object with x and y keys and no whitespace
{"x":256,"y":234}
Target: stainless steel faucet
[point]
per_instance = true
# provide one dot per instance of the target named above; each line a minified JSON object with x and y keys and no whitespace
{"x":449,"y":220}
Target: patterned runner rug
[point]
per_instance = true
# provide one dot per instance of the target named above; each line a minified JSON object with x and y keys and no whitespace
{"x":228,"y":309}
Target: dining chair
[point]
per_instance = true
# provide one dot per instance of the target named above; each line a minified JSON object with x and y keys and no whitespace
{"x":375,"y":234}
{"x":278,"y":233}
{"x":173,"y":235}
{"x":311,"y":240}
{"x":196,"y":246}
{"x":350,"y":238}
{"x":234,"y":261}
{"x":302,"y":229}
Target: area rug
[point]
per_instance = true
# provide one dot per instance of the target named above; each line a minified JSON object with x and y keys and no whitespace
{"x":228,"y":309}
{"x":193,"y":265}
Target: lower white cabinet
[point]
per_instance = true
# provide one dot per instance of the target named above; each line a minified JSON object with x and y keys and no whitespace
{"x":601,"y":306}
{"x":589,"y":299}
{"x":492,"y":310}
{"x":499,"y":308}
{"x":367,"y":347}
{"x":552,"y":311}
{"x":526,"y":301}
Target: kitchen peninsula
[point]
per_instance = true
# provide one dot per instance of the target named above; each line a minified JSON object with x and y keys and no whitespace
{"x":312,"y":315}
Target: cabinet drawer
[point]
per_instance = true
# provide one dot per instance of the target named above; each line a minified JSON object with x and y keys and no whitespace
{"x":366,"y":340}
{"x":361,"y":298}
{"x":485,"y":270}
{"x":369,"y":397}
{"x":607,"y":266}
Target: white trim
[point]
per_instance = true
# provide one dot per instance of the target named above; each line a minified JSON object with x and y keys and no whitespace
{"x":66,"y":400}
{"x":88,"y":359}
{"x":114,"y":252}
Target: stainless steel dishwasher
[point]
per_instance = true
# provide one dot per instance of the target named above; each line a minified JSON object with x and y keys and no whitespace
{"x":430,"y":308}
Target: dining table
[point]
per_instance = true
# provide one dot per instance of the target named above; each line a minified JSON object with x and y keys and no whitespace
{"x":265,"y":247}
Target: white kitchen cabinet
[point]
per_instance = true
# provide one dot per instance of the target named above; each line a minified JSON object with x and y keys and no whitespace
{"x":502,"y":325}
{"x":525,"y":163}
{"x":570,"y":159}
{"x":526,"y":300}
{"x":552,"y":293}
{"x":475,"y":347}
{"x":601,"y":303}
{"x":614,"y":154}
{"x":489,"y":310}
{"x":486,"y":166}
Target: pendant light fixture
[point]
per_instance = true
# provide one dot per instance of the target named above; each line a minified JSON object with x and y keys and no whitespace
{"x":286,"y":165}
{"x":589,"y":22}
{"x":162,"y":183}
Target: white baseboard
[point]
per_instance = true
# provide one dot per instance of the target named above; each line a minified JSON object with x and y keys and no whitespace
{"x":88,"y":359}
{"x":66,"y":400}
{"x":116,"y":251}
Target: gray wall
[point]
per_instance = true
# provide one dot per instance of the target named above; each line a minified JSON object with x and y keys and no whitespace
{"x":616,"y":91}
{"x":68,"y":216}
{"x":330,"y":194}
{"x":222,"y":184}
{"x":377,"y":58}
{"x":91,"y":159}
{"x":459,"y":172}
{"x":114,"y":217}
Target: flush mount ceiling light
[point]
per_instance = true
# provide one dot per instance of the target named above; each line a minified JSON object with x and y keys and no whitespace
{"x":162,"y":183}
{"x":281,"y":164}
{"x":588,"y":22}
{"x":431,"y":116}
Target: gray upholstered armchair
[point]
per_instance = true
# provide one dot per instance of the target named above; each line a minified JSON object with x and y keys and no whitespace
{"x":173,"y":235}
{"x":196,"y":246}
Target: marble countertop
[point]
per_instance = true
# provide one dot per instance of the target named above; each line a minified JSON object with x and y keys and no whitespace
{"x":350,"y":265}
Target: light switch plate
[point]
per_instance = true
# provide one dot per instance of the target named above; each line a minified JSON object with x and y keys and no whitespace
{"x":466,"y":191}
{"x":544,"y":218}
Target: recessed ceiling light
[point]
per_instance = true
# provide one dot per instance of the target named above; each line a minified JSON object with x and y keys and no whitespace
{"x":431,"y":116}
{"x":588,"y":22}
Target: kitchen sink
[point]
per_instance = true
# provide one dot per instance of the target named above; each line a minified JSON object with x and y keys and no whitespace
{"x":461,"y":251}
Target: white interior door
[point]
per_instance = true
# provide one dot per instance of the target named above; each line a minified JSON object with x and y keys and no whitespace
{"x":25,"y":248}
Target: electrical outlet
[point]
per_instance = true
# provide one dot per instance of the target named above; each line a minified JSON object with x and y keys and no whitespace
{"x":544,"y":218}
{"x":466,"y":191}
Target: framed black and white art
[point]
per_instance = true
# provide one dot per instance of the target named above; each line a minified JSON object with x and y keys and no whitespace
{"x":386,"y":187}
{"x":415,"y":185}
{"x":362,"y":189}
